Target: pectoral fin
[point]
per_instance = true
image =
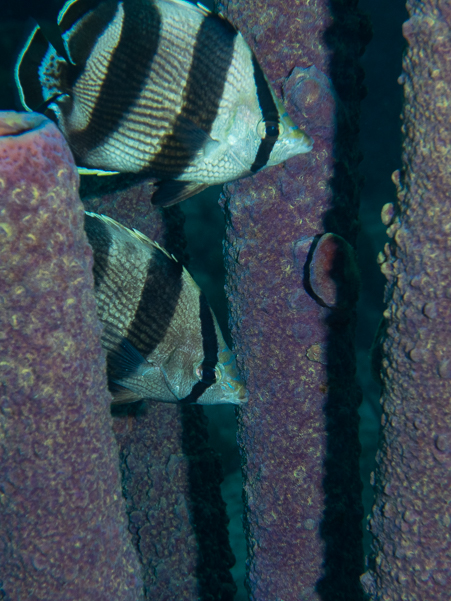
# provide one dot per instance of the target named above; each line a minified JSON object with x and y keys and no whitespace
{"x":123,"y":359}
{"x":121,"y":395}
{"x":170,"y":192}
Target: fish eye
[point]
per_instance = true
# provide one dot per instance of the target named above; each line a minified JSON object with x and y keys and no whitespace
{"x":207,"y":374}
{"x":269,"y":129}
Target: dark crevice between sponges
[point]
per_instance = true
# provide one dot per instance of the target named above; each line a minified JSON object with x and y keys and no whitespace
{"x":341,"y":524}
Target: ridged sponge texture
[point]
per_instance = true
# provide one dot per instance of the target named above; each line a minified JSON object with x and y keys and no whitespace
{"x":63,"y":532}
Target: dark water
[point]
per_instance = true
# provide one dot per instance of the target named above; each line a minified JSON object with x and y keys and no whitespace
{"x":380,"y":143}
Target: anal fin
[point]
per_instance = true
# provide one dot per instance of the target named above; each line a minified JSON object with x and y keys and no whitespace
{"x":170,"y":192}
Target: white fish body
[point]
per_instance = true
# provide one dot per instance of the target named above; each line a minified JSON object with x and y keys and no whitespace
{"x":158,"y":87}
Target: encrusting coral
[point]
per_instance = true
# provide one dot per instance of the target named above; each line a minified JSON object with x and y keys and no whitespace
{"x":298,"y":433}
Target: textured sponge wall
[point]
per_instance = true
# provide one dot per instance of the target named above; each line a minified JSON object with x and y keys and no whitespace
{"x":62,"y":527}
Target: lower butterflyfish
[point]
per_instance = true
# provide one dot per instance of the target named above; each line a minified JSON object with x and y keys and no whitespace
{"x":161,"y":338}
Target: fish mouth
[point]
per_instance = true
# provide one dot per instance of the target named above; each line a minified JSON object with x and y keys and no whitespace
{"x":239,"y":397}
{"x":308,"y":143}
{"x":298,"y":138}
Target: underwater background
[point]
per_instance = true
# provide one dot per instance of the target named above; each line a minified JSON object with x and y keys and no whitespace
{"x":204,"y":227}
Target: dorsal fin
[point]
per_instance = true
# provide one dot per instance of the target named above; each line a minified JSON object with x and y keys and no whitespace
{"x":26,"y":72}
{"x":117,"y":227}
{"x":74,"y":10}
{"x":93,"y":17}
{"x":52,"y":33}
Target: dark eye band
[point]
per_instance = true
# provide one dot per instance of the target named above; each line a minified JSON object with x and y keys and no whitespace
{"x":272,"y":130}
{"x":208,"y":375}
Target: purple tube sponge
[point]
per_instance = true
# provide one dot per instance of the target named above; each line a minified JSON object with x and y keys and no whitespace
{"x":298,"y":433}
{"x":177,"y":517}
{"x":63,"y":529}
{"x":411,"y":517}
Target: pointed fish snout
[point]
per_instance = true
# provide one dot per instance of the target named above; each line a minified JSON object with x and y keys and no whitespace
{"x":240,"y":396}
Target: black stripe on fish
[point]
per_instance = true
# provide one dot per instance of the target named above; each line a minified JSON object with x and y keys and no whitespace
{"x":157,"y":304}
{"x":208,"y":330}
{"x":80,"y":8}
{"x":210,"y":348}
{"x":196,"y":392}
{"x":212,"y":57}
{"x":100,"y":239}
{"x":270,"y":116}
{"x":82,"y":39}
{"x":128,"y":69}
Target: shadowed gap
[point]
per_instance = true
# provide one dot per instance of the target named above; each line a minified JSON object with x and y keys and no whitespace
{"x":341,"y":524}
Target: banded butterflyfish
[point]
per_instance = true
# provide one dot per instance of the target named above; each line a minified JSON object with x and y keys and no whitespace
{"x":160,"y":88}
{"x":161,"y":338}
